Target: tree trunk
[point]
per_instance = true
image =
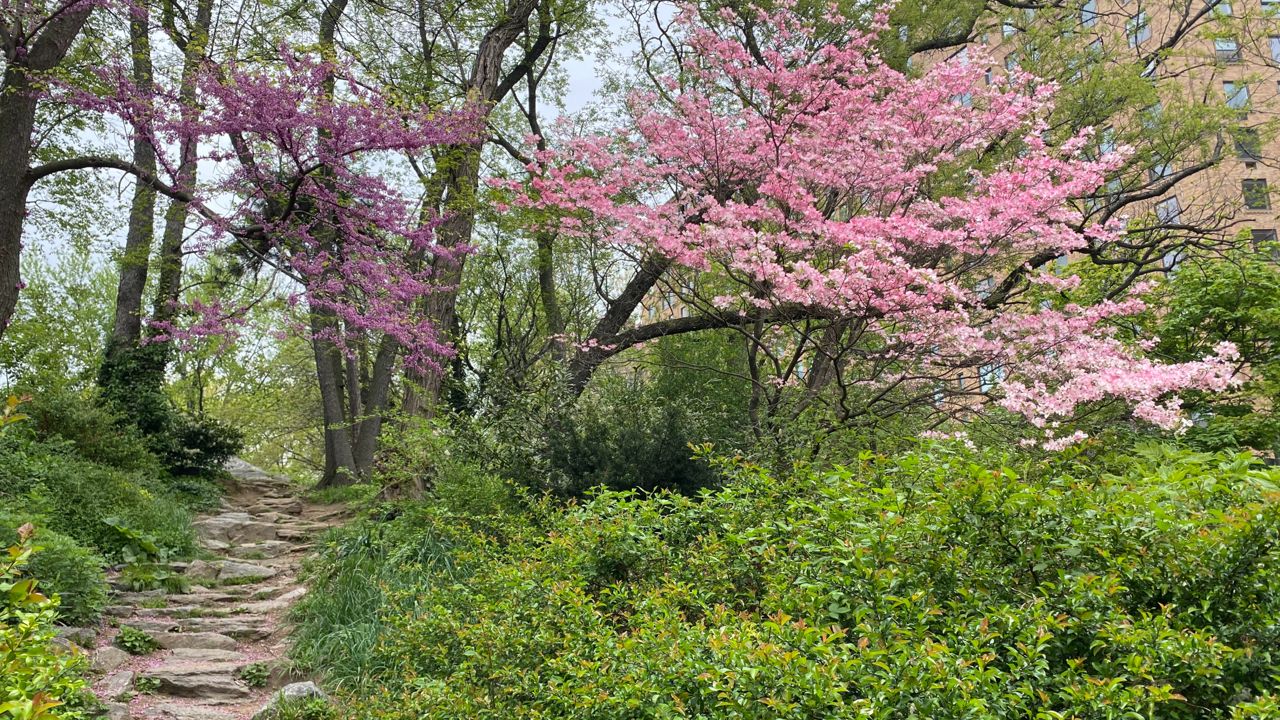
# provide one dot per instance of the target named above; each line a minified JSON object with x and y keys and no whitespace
{"x":169,"y":262}
{"x":18,"y":99}
{"x":462,"y":176}
{"x":339,"y":456}
{"x":126,"y":329}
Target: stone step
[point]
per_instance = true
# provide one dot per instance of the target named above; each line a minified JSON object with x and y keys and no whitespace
{"x":228,"y":572}
{"x":208,"y":655}
{"x":214,"y":682}
{"x":195,"y":640}
{"x":174,"y":711}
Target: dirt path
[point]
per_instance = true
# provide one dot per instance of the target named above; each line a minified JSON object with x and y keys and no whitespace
{"x":222,"y":643}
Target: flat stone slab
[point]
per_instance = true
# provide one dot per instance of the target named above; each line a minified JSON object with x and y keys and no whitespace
{"x":245,"y":629}
{"x":230,"y":571}
{"x":234,"y":528}
{"x":206,"y":655}
{"x":195,"y":640}
{"x":204,"y":681}
{"x":173,"y":711}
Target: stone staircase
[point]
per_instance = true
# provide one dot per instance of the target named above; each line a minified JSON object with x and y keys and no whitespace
{"x":221,"y":644}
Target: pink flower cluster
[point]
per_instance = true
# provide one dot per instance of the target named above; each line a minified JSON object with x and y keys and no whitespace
{"x":294,"y":146}
{"x":825,"y":180}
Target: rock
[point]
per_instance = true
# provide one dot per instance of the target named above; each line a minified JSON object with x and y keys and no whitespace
{"x":243,"y":628}
{"x":195,"y":640}
{"x":173,"y":711}
{"x":293,"y":691}
{"x":233,"y":528}
{"x":231,"y":572}
{"x":265,"y":549}
{"x":206,"y":655}
{"x":202,"y":572}
{"x":118,"y":685}
{"x":106,"y":659}
{"x":116,"y":711}
{"x":205,"y":681}
{"x":82,"y":636}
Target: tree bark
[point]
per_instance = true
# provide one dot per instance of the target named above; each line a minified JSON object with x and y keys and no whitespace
{"x":169,"y":261}
{"x":19,"y":95}
{"x":126,"y":329}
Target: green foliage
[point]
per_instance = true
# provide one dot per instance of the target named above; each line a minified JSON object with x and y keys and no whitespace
{"x":39,"y":680}
{"x":133,"y":386}
{"x":146,"y":685}
{"x":255,"y":675}
{"x":1234,"y":299}
{"x":135,"y":641}
{"x":46,"y":476}
{"x":308,"y":708}
{"x":939,"y":584}
{"x":63,"y":568}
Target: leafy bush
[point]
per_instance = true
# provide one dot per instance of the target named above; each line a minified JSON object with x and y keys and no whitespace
{"x":63,"y":568}
{"x":255,"y":675}
{"x":135,"y":641}
{"x":50,"y":479}
{"x":937,"y":584}
{"x":39,"y":680}
{"x":132,"y":386}
{"x":194,"y":445}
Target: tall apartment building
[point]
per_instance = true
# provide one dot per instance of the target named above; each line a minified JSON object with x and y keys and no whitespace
{"x":1217,"y":53}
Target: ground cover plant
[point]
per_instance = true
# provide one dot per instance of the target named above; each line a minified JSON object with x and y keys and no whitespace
{"x":941,"y":583}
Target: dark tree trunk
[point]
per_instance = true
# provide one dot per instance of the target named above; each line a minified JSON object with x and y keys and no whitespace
{"x":339,"y":456}
{"x":169,"y":261}
{"x":18,"y":99}
{"x":126,"y":329}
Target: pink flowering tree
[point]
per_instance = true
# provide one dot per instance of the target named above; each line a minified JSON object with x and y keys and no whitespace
{"x":296,"y":155}
{"x":886,"y":242}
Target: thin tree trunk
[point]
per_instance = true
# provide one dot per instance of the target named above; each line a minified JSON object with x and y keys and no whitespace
{"x":378,"y":392}
{"x":169,"y":262}
{"x":126,"y":329}
{"x":18,"y":100}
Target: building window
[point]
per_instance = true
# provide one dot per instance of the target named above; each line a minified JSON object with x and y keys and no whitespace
{"x":1172,"y":259}
{"x":1261,"y":238}
{"x":1008,"y":29}
{"x":1248,"y":144}
{"x":989,"y":376}
{"x":1256,"y":196}
{"x":1010,"y":62}
{"x":1138,"y":29}
{"x":1271,"y":6}
{"x":1221,"y":7}
{"x":1160,"y":170}
{"x":1168,"y":211}
{"x":1089,"y":13}
{"x":1237,"y":95}
{"x":1227,"y":50}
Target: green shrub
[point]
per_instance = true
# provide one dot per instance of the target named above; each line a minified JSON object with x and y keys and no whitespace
{"x":40,"y":679}
{"x":135,"y":641}
{"x":63,"y":568}
{"x":937,"y":584}
{"x":75,"y":495}
{"x":255,"y":675}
